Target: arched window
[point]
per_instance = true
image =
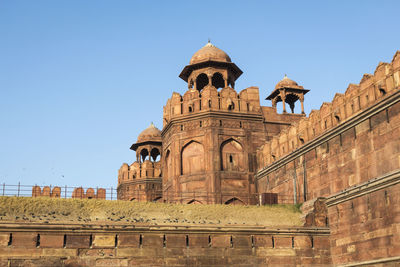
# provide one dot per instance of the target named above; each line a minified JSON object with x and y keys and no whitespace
{"x":217,"y":80}
{"x":301,"y":140}
{"x":144,"y":154}
{"x":201,"y":81}
{"x":155,"y":154}
{"x":382,"y":91}
{"x":232,"y":158}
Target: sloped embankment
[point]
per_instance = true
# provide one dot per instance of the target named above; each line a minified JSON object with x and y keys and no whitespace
{"x":50,"y":210}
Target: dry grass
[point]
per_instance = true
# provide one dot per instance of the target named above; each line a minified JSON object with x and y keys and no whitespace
{"x":76,"y":210}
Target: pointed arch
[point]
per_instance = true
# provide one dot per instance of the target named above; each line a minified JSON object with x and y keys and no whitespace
{"x":144,"y":153}
{"x":194,"y":201}
{"x":232,"y":155}
{"x":234,"y":201}
{"x":157,"y":199}
{"x":155,"y":154}
{"x":217,"y":80}
{"x":192,"y":158}
{"x":201,"y":81}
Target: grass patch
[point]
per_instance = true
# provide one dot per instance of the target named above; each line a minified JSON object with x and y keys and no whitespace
{"x":44,"y":209}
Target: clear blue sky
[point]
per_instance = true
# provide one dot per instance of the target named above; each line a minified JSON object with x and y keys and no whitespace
{"x":79,"y":80}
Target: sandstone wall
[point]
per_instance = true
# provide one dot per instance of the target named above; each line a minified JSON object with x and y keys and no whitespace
{"x":349,"y":152}
{"x":371,"y":90}
{"x":128,"y":245}
{"x":321,"y":155}
{"x":365,"y":223}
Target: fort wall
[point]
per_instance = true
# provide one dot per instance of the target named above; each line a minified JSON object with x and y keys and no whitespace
{"x":349,"y":152}
{"x":141,"y":245}
{"x":365,"y":222}
{"x":321,"y":155}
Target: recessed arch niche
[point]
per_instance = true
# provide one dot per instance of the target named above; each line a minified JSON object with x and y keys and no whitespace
{"x":192,"y":158}
{"x":232,"y":158}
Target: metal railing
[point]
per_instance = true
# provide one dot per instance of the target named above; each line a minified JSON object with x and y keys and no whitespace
{"x":230,"y":197}
{"x":20,"y":190}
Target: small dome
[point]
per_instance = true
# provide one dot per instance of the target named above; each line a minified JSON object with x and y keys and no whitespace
{"x":209,"y":52}
{"x":149,"y":134}
{"x":286,"y":82}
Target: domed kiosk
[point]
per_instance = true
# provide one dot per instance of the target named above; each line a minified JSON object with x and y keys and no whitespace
{"x":210,"y":66}
{"x":141,"y":181}
{"x":288,"y":91}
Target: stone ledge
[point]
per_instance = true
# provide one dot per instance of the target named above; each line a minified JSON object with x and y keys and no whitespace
{"x":377,"y":261}
{"x":166,"y":229}
{"x":386,"y":180}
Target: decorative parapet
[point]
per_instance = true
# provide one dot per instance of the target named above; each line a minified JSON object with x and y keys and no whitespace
{"x":358,"y":97}
{"x":137,"y":170}
{"x":46,"y":192}
{"x":210,"y":99}
{"x":79,"y":192}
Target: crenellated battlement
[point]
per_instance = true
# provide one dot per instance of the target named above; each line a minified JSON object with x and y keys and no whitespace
{"x":78,"y":192}
{"x":358,"y":97}
{"x":211,"y":99}
{"x":139,"y":170}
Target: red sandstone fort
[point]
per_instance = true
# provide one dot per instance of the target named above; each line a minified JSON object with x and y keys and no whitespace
{"x":220,"y":146}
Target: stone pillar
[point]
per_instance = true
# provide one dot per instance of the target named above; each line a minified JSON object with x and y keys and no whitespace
{"x":274,"y":103}
{"x":283,"y":97}
{"x":302,"y":104}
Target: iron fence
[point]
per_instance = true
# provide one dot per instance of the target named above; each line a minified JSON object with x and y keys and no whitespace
{"x":20,"y":190}
{"x":111,"y":193}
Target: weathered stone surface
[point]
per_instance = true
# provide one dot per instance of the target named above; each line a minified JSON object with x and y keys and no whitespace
{"x":128,"y":240}
{"x":26,"y":240}
{"x":104,"y":241}
{"x":51,"y":241}
{"x":77,"y":241}
{"x":4,"y":239}
{"x":223,"y":241}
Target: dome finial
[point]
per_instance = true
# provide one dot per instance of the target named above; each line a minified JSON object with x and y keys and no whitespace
{"x":209,"y":44}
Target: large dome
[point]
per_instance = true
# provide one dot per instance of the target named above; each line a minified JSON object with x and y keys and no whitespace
{"x":286,"y":82}
{"x":150,"y":134}
{"x":209,"y":52}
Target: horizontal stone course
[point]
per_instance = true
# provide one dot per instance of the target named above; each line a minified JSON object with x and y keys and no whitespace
{"x":104,"y":241}
{"x":77,"y":241}
{"x":96,"y":247}
{"x":51,"y":241}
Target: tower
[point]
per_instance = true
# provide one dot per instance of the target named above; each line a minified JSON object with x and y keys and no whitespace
{"x":141,"y":181}
{"x":211,"y":133}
